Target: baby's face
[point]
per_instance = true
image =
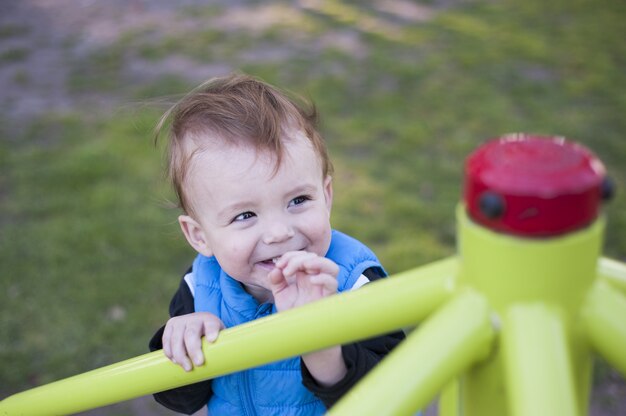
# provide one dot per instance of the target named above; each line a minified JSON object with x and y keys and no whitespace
{"x":249,"y":214}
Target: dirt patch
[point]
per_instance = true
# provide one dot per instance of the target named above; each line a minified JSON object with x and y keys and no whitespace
{"x":44,"y":45}
{"x":42,"y":40}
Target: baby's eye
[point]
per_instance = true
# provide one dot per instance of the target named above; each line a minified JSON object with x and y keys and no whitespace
{"x":244,"y":216}
{"x":299,"y":200}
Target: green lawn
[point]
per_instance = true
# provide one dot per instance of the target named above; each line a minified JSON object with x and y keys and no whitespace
{"x":90,"y":251}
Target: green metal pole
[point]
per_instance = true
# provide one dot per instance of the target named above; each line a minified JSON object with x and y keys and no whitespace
{"x":604,"y":318}
{"x":374,"y":309}
{"x":613,"y":272}
{"x":449,"y":342}
{"x":508,"y":270}
{"x":537,"y":362}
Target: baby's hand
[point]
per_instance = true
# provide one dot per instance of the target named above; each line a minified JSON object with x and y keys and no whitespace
{"x":301,"y":277}
{"x":182,"y":337}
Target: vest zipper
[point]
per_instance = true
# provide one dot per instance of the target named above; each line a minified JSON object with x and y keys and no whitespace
{"x":246,"y":396}
{"x":248,"y":406}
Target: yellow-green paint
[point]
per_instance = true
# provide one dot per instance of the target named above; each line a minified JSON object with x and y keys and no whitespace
{"x":557,"y":272}
{"x":512,"y":334}
{"x":449,"y":399}
{"x":509,"y":269}
{"x":537,"y":362}
{"x":613,"y":272}
{"x":376,"y":308}
{"x":445,"y":345}
{"x":604,"y":318}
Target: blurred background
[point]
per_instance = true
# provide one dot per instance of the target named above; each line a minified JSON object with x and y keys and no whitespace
{"x":90,"y":251}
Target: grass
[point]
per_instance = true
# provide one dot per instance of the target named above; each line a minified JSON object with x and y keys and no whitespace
{"x":9,"y":30}
{"x":14,"y":55}
{"x":83,"y":231}
{"x":90,"y":254}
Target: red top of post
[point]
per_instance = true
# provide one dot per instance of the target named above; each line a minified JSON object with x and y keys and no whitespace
{"x":533,"y":186}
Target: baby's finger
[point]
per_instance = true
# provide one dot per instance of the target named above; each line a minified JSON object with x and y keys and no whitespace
{"x":276,"y":277}
{"x":179,"y":352}
{"x":186,"y":364}
{"x":277,"y":280}
{"x":328,"y":282}
{"x":193,"y":345}
{"x":176,"y":340}
{"x":212,"y":329}
{"x":320,"y":265}
{"x":288,"y":256}
{"x":166,"y":340}
{"x":295,"y":263}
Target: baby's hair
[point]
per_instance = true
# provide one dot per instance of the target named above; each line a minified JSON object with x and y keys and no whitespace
{"x":239,"y":109}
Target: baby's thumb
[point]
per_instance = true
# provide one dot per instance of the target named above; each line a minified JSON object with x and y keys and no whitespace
{"x":276,"y":279}
{"x":212,"y":330}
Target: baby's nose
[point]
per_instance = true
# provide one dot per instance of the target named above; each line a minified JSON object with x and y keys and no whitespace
{"x":278,"y":232}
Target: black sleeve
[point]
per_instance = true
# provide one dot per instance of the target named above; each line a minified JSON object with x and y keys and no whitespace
{"x":191,"y":398}
{"x":360,"y":357}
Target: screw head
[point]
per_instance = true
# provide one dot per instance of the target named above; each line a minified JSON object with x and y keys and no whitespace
{"x":607,"y":189}
{"x":491,"y":205}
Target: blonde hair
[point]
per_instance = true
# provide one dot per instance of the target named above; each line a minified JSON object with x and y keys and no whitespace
{"x":241,"y":110}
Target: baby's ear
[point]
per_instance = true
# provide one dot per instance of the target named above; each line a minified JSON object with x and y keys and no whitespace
{"x":195,"y":235}
{"x":328,"y":192}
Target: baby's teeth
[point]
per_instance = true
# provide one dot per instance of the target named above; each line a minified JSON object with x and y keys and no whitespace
{"x":275,"y":260}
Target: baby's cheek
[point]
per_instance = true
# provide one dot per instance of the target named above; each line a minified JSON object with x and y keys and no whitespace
{"x":239,"y":252}
{"x":325,"y":238}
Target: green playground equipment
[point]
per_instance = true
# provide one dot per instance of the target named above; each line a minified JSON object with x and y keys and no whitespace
{"x":507,"y":326}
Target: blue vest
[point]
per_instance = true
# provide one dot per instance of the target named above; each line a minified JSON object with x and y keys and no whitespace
{"x":272,"y":389}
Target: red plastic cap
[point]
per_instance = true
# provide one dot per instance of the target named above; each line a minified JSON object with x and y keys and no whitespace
{"x":533,"y":186}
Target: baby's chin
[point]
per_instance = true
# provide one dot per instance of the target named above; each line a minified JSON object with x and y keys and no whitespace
{"x":261,"y":293}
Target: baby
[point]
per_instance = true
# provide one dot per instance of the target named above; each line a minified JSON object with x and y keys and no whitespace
{"x":253,"y":179}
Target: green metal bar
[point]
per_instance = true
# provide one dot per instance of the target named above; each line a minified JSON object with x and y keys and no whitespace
{"x":377,"y":308}
{"x":604,"y":319}
{"x":613,"y":272}
{"x":449,"y":399}
{"x":510,"y":270}
{"x":449,"y":342}
{"x":537,"y":362}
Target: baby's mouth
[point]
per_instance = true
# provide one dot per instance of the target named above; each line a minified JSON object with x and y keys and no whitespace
{"x":270,"y":262}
